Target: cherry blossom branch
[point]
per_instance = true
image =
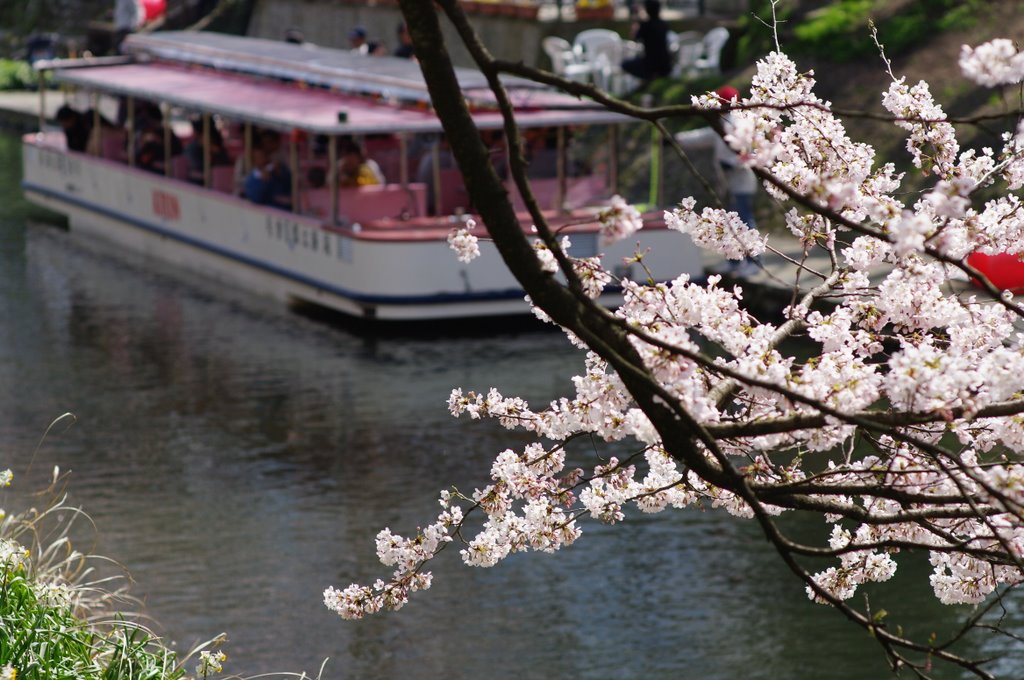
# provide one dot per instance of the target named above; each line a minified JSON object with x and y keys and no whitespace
{"x":703,"y":422}
{"x":881,"y":419}
{"x":604,"y":101}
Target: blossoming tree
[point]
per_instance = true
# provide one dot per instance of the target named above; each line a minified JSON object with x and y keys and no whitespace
{"x":903,"y":432}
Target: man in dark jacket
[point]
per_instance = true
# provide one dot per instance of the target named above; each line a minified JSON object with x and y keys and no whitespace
{"x":404,"y":49}
{"x":77,"y":127}
{"x":656,"y":61}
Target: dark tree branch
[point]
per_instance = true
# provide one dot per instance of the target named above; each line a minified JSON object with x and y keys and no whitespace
{"x":695,"y":445}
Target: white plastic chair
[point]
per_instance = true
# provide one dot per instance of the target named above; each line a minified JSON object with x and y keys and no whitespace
{"x":601,"y":50}
{"x":710,"y":61}
{"x":686,"y":48}
{"x":564,"y":60}
{"x":672,"y":39}
{"x":588,"y":40}
{"x":627,"y":82}
{"x":607,"y":62}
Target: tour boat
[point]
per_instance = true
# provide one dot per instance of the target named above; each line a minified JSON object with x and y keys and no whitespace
{"x":377,"y":251}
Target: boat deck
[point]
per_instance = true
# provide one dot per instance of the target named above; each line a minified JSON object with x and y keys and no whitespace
{"x":398,"y":228}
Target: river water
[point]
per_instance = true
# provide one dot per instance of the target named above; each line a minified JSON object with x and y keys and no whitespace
{"x":237,"y":458}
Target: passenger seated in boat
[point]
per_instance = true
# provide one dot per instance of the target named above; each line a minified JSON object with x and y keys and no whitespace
{"x":494,"y":140}
{"x":78,"y":128}
{"x":425,"y":170}
{"x":194,"y":151}
{"x":386,"y":150}
{"x":147,"y":114}
{"x":319,"y":147}
{"x":151,"y":151}
{"x":316,"y":177}
{"x":270,"y":142}
{"x":541,"y":151}
{"x":452,"y":185}
{"x":270,"y":182}
{"x":355,"y":169}
{"x":316,"y":200}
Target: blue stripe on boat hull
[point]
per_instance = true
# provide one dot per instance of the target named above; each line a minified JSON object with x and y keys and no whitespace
{"x":361,"y":298}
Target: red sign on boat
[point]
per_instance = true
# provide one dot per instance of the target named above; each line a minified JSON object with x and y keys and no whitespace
{"x":166,"y":205}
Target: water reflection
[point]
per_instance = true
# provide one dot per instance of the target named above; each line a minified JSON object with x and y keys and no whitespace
{"x":239,"y":458}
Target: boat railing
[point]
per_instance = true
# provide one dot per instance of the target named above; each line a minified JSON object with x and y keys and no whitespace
{"x":562,"y":181}
{"x":369,"y":203}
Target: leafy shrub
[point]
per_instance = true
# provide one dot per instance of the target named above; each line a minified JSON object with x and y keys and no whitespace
{"x":17,"y":75}
{"x":835,"y":20}
{"x":839,"y":31}
{"x":964,"y":16}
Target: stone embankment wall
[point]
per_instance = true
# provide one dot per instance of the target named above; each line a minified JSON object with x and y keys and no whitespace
{"x":328,"y":23}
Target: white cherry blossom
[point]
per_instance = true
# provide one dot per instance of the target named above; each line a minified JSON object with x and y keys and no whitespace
{"x":909,"y":406}
{"x":464,"y":243}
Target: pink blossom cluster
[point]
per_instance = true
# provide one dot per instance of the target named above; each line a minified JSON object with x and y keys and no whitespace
{"x":958,"y":576}
{"x":408,"y":557}
{"x":464,"y":243}
{"x":716,"y":229}
{"x":904,"y":365}
{"x":618,"y":221}
{"x":996,"y":62}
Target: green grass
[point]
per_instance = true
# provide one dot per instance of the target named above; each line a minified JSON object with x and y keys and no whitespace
{"x":840,"y":31}
{"x":58,"y":621}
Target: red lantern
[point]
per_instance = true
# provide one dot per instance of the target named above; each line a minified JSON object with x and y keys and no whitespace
{"x":1006,"y":272}
{"x":153,"y":9}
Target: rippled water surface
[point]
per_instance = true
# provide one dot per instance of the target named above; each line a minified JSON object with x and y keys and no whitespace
{"x":237,"y":458}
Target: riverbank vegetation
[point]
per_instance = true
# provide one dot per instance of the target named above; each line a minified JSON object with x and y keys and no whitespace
{"x":60,"y":619}
{"x":16,"y":75}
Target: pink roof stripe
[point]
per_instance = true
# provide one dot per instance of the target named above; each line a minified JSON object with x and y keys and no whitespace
{"x":285,"y":106}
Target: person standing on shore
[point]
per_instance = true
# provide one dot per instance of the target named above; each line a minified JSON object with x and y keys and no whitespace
{"x":656,"y":61}
{"x":736,"y":178}
{"x":404,"y":49}
{"x":128,"y":16}
{"x":360,"y":43}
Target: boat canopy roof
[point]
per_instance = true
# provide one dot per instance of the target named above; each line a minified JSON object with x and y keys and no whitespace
{"x":339,"y":69}
{"x":325,"y":91}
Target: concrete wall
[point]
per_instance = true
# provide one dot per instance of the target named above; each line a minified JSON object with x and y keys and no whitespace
{"x":327,"y":23}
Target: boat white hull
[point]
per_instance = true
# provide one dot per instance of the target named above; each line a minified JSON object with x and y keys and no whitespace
{"x":398,"y":274}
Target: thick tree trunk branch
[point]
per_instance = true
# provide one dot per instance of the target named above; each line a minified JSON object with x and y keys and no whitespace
{"x":591,"y":323}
